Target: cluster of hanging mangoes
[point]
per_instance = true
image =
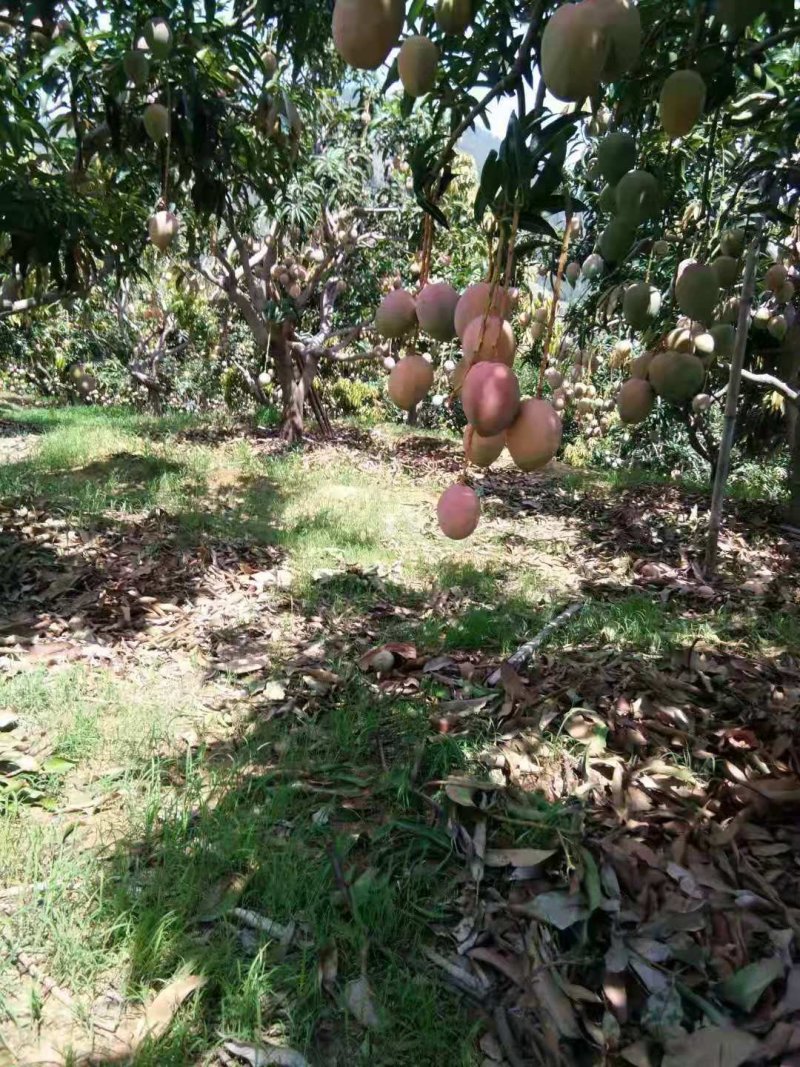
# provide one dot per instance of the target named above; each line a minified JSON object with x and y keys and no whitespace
{"x":366,"y":31}
{"x":677,"y":368}
{"x":496,"y":414}
{"x":584,"y":46}
{"x":155,"y":43}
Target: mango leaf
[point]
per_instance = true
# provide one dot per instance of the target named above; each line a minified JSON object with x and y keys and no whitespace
{"x":265,"y":1055}
{"x":555,"y":1004}
{"x":415,"y":10}
{"x":359,"y":1002}
{"x":745,"y":988}
{"x":722,"y":1048}
{"x":558,"y":908}
{"x":591,"y":881}
{"x":221,"y":897}
{"x":517,"y":857}
{"x":536,"y":224}
{"x":491,"y":177}
{"x":15,"y":762}
{"x":161,"y":1011}
{"x":470,"y":792}
{"x":57,"y":765}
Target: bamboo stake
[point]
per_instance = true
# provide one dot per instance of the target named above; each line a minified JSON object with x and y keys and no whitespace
{"x":551,"y":321}
{"x":731,"y":405}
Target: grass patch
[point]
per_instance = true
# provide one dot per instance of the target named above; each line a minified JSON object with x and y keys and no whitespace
{"x":641,"y":623}
{"x":749,"y":482}
{"x":292,"y":798}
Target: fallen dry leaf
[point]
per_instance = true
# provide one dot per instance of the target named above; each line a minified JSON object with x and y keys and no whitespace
{"x":555,"y":1004}
{"x":328,"y":967}
{"x":161,"y":1011}
{"x":265,"y":1055}
{"x":558,"y":908}
{"x":722,"y":1048}
{"x":359,"y":1002}
{"x":517,"y":857}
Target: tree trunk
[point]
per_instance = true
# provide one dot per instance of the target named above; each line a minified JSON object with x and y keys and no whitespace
{"x":155,"y":399}
{"x":296,"y":371}
{"x":294,"y":399}
{"x":292,"y":388}
{"x":793,"y":416}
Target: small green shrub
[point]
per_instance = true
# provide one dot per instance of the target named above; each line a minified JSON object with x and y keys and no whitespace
{"x":350,"y":396}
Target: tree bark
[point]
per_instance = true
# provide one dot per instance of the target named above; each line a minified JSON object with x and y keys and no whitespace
{"x":793,"y":415}
{"x":291,"y":385}
{"x":292,"y":414}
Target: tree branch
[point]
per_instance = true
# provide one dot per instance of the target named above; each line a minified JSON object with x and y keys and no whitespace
{"x":498,"y":89}
{"x":16,"y":307}
{"x":775,"y":383}
{"x":355,"y":357}
{"x":777,"y":38}
{"x":244,"y":258}
{"x":316,"y":277}
{"x":218,"y":283}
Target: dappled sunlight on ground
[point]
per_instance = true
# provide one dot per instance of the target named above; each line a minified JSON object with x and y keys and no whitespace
{"x":247,"y":735}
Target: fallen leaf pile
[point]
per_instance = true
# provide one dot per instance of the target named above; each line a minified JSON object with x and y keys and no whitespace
{"x":64,"y":590}
{"x":632,"y":887}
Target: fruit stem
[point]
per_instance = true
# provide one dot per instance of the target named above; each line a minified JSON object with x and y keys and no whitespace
{"x":511,"y":248}
{"x":493,"y":283}
{"x":427,"y":250}
{"x":165,"y":182}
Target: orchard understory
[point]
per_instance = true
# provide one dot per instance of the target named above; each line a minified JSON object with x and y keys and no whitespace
{"x":253,"y":708}
{"x":399,"y":532}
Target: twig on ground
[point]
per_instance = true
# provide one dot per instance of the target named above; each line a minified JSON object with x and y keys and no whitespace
{"x":525,"y":652}
{"x":506,"y":1037}
{"x":25,"y":965}
{"x":281,"y":933}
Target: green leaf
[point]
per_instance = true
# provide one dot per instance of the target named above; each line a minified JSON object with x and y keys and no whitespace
{"x":433,"y":210}
{"x":745,"y":988}
{"x":491,"y":176}
{"x":57,"y":765}
{"x":415,"y":10}
{"x":535,"y":224}
{"x":591,"y":881}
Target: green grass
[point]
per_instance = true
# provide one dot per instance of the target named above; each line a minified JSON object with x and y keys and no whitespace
{"x":749,"y":481}
{"x":332,"y":784}
{"x":135,"y":913}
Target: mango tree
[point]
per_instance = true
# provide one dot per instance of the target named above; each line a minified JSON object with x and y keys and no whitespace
{"x":669,"y":129}
{"x":128,"y":134}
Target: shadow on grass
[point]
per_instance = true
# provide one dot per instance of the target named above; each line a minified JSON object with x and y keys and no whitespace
{"x":314,"y":809}
{"x":317,"y":814}
{"x":312,"y":819}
